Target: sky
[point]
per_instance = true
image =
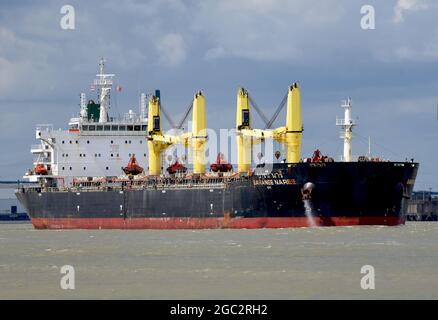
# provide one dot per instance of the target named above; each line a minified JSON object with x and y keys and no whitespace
{"x":390,"y":72}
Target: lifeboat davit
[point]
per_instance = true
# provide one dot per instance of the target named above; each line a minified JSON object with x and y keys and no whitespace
{"x":40,"y":169}
{"x":176,"y":167}
{"x":133,"y":168}
{"x":221,"y":165}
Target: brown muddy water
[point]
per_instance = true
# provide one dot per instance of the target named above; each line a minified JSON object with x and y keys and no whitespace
{"x":305,"y":263}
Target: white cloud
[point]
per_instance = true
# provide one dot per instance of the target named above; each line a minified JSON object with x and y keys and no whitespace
{"x":423,"y":50}
{"x":215,"y":53}
{"x":403,"y":6}
{"x":172,"y":49}
{"x":21,"y":74}
{"x":280,"y":31}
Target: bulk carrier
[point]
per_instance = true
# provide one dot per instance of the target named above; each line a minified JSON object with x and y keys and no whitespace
{"x":92,"y":176}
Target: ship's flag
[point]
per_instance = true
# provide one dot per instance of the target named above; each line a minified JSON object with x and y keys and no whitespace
{"x":119,"y":88}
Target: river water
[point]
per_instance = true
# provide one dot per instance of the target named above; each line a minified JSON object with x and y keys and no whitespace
{"x":304,"y":263}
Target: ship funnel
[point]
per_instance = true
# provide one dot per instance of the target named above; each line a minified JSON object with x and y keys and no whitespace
{"x":294,"y":124}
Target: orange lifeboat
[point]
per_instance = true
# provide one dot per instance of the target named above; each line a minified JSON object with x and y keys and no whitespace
{"x":176,"y":167}
{"x":40,"y":169}
{"x":133,"y":168}
{"x":221,"y":165}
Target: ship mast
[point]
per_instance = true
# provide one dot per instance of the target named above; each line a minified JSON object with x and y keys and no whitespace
{"x":346,"y":125}
{"x":104,"y":84}
{"x":143,"y":107}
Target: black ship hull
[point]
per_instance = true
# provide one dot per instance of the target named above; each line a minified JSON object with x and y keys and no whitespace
{"x":286,"y":195}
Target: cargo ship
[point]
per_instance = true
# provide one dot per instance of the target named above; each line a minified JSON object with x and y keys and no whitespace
{"x":292,"y":192}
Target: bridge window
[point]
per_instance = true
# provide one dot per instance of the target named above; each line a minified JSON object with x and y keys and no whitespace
{"x":136,"y":128}
{"x":106,"y":128}
{"x":130,"y":128}
{"x":115,"y":128}
{"x":122,"y":128}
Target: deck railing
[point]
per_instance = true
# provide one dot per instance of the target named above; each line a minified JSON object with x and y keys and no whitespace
{"x":138,"y":185}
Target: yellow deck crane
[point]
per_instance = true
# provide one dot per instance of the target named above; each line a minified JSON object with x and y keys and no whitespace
{"x":290,"y":135}
{"x":196,"y":139}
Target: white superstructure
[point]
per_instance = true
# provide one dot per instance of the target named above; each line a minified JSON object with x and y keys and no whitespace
{"x":347,"y":125}
{"x":95,"y":144}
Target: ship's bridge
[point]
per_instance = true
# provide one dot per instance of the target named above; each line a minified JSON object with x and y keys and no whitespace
{"x":129,"y":124}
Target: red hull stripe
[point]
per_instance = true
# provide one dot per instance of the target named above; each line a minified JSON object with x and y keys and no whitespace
{"x":206,"y":223}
